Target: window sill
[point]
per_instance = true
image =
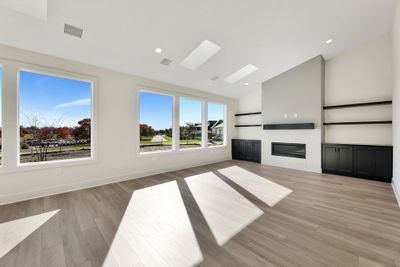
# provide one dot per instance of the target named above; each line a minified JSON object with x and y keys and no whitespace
{"x":179,"y":151}
{"x":216,"y":147}
{"x":38,"y":166}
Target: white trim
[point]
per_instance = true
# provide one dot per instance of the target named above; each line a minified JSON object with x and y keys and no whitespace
{"x":154,"y":89}
{"x":174,"y":121}
{"x":10,"y":155}
{"x":7,"y":199}
{"x":396,"y":193}
{"x":225,"y":122}
{"x":204,"y":124}
{"x":178,"y":108}
{"x":44,"y":165}
{"x":2,"y":111}
{"x":162,"y":153}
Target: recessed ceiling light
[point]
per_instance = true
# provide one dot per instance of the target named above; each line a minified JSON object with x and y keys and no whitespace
{"x":246,"y":83}
{"x":200,"y":55}
{"x":240,"y":74}
{"x":329,"y":41}
{"x":158,"y":50}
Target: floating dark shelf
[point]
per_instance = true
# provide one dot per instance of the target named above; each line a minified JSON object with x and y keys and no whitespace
{"x":289,"y":126}
{"x":360,"y":104}
{"x":247,"y":114}
{"x":357,"y":122}
{"x":248,"y":125}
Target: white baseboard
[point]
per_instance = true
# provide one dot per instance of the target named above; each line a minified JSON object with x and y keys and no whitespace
{"x":396,"y":193}
{"x":92,"y":183}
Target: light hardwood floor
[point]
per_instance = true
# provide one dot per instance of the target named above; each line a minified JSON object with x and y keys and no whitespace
{"x":326,"y":221}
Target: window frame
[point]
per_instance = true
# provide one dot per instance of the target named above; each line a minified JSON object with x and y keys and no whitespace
{"x":12,"y":164}
{"x":163,"y":93}
{"x":2,"y":114}
{"x":203,"y":137}
{"x":176,"y":121}
{"x":225,"y":126}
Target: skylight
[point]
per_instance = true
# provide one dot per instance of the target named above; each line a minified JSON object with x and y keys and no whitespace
{"x":240,"y":74}
{"x":200,"y":55}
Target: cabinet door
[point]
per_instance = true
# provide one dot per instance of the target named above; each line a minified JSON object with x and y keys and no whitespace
{"x":330,"y":161}
{"x":363,"y":162}
{"x":345,"y":159}
{"x":235,"y":149}
{"x":249,"y":151}
{"x":242,"y":150}
{"x":382,"y":163}
{"x":257,"y":151}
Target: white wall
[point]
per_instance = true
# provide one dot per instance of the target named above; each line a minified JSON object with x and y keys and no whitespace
{"x":294,"y":96}
{"x":250,"y":102}
{"x":296,"y":93}
{"x":117,"y":135}
{"x":396,"y":101}
{"x":363,"y":74}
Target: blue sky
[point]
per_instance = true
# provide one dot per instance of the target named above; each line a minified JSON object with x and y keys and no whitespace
{"x":53,"y":98}
{"x":215,"y":111}
{"x":156,"y":110}
{"x":190,"y":111}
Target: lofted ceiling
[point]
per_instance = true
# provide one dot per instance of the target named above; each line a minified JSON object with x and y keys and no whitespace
{"x":273,"y":35}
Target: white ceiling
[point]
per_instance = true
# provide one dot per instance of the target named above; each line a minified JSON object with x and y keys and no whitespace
{"x":273,"y":35}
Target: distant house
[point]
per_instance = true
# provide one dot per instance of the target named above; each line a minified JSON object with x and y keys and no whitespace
{"x":216,"y":129}
{"x":198,"y":129}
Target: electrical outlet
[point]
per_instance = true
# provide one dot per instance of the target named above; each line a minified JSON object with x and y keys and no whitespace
{"x":58,"y":171}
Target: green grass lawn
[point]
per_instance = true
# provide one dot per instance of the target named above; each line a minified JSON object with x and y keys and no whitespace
{"x":184,"y":141}
{"x":146,"y":140}
{"x":63,"y":148}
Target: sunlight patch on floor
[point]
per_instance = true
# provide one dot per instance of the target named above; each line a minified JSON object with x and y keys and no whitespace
{"x":268,"y":192}
{"x":14,"y":232}
{"x":226,"y":211}
{"x":155,"y":231}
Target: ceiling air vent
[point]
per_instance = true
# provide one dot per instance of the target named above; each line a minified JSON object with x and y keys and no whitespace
{"x":72,"y":30}
{"x":166,"y":61}
{"x":214,"y":78}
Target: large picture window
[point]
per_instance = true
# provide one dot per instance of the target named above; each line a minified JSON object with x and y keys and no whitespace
{"x":216,"y":124}
{"x":55,"y":116}
{"x":1,"y":117}
{"x":190,"y":114}
{"x":155,"y":122}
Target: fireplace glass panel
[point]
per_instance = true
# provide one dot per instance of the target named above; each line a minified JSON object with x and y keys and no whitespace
{"x":289,"y":150}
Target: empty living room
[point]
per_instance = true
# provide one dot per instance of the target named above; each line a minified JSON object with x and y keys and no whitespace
{"x":199,"y":133}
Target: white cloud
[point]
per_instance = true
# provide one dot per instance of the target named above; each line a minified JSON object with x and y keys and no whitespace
{"x":79,"y":102}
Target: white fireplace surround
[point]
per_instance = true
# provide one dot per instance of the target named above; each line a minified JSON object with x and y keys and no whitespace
{"x":312,"y":139}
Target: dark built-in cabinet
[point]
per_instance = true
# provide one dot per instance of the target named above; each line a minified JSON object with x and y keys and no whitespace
{"x":362,"y":161}
{"x":249,"y":150}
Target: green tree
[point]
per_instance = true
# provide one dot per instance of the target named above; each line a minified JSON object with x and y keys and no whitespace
{"x":188,"y":130}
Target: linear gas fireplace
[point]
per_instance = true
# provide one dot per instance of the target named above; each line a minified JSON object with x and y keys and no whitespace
{"x":292,"y":150}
